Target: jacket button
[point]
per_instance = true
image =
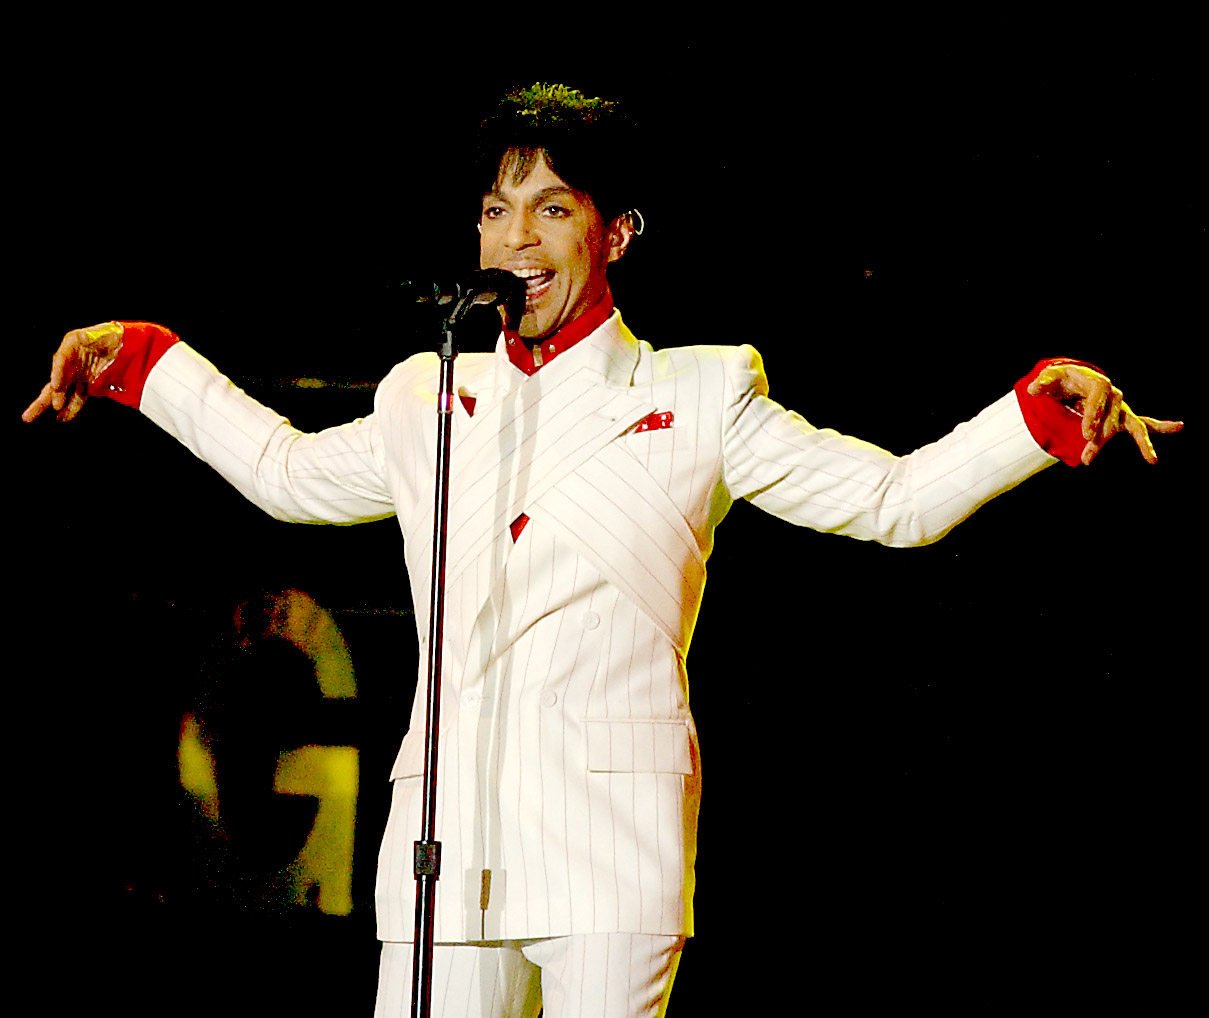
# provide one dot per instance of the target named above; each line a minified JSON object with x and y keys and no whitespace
{"x":591,"y":620}
{"x":549,"y":698}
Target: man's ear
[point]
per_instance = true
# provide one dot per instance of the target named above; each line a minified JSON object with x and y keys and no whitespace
{"x":621,"y":231}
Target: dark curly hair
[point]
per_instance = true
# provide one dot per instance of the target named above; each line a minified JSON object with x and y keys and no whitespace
{"x":590,"y":142}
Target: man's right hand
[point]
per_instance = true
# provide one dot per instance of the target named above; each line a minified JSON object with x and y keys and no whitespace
{"x":79,"y":361}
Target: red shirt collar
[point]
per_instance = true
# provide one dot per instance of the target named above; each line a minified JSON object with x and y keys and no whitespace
{"x":561,"y":341}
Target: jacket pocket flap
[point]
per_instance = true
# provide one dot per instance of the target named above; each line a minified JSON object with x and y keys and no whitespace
{"x":409,"y":762}
{"x":639,"y":746}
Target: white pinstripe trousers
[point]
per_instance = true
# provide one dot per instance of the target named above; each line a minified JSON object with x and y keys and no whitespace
{"x":598,"y":975}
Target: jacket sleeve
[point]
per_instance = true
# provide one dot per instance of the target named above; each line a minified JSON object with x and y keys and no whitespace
{"x":333,"y":476}
{"x":819,"y":478}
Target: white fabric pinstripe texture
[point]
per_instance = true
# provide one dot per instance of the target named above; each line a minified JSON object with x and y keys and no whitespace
{"x":568,"y":757}
{"x":604,"y":975}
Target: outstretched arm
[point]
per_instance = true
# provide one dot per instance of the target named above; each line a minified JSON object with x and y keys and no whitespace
{"x":1062,"y":410}
{"x":337,"y":475}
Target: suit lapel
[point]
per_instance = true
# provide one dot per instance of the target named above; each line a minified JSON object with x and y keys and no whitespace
{"x":527,"y":443}
{"x":525,"y":435}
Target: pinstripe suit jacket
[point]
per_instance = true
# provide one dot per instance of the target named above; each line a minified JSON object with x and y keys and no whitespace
{"x":568,"y":757}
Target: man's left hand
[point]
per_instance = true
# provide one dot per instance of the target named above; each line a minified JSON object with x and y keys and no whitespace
{"x":1104,"y":410}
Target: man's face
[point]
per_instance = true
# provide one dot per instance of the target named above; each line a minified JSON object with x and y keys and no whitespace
{"x":552,"y":236}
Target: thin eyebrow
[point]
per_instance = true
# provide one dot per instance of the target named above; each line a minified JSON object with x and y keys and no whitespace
{"x":545,"y":194}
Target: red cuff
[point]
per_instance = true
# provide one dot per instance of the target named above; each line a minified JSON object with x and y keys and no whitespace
{"x":1055,"y":426}
{"x":143,"y":344}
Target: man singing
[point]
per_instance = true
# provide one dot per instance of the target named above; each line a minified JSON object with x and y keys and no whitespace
{"x":588,"y":473}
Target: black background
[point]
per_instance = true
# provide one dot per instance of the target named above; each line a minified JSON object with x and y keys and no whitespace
{"x":959,"y":778}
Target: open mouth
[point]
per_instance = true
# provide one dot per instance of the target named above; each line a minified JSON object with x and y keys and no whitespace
{"x":537,"y":282}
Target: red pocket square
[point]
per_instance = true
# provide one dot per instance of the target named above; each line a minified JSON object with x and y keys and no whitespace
{"x":653,"y":422}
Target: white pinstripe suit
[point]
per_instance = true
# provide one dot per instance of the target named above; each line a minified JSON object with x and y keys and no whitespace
{"x":568,"y":754}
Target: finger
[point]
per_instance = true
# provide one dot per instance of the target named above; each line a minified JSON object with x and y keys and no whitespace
{"x":62,"y":365}
{"x":72,"y":408}
{"x":1095,"y":401}
{"x":1162,"y":427}
{"x":1141,"y":436}
{"x":42,"y":402}
{"x":1113,"y":419}
{"x":1045,"y":379}
{"x":1090,"y":452}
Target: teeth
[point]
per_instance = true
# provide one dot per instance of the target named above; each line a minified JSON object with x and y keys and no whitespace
{"x":529,"y":273}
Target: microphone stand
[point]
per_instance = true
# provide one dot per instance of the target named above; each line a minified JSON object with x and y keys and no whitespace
{"x":492,"y":288}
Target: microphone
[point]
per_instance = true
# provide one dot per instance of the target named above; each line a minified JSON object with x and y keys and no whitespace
{"x":484,"y":288}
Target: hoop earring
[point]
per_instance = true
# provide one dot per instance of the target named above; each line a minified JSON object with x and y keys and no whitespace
{"x":637,"y":223}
